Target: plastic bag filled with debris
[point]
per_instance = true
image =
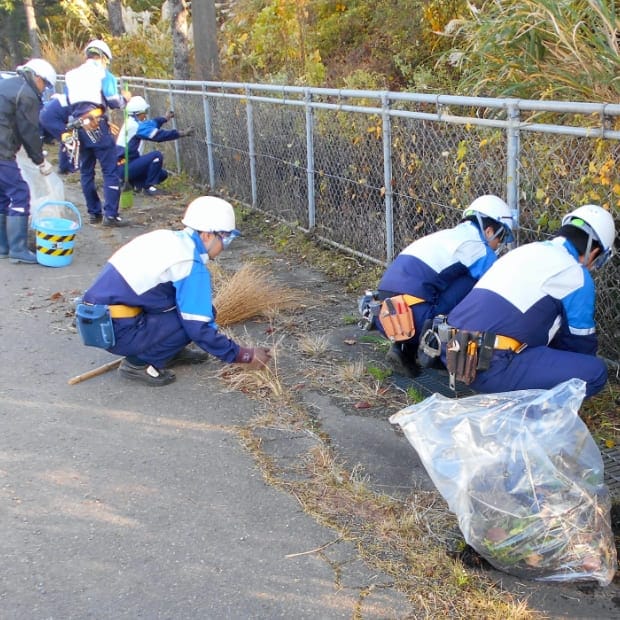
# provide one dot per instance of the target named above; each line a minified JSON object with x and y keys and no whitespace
{"x":524,"y":477}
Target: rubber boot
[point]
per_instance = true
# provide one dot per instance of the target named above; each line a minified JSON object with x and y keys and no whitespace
{"x":4,"y":242}
{"x":17,"y":234}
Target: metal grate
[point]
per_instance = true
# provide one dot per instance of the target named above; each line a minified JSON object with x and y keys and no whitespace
{"x":611,"y":463}
{"x":431,"y":381}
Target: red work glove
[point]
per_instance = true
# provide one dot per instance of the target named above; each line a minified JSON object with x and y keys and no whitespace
{"x":255,"y":358}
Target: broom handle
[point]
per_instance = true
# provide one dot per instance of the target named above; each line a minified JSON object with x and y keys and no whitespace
{"x":95,"y":372}
{"x":126,"y":115}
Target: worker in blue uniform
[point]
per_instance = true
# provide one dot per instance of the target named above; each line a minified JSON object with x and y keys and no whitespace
{"x":538,"y":302}
{"x":91,"y":90}
{"x":438,"y":270}
{"x":53,"y":119}
{"x":158,"y":290}
{"x":145,"y":170}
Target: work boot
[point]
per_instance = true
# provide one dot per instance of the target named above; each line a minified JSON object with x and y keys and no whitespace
{"x":4,"y":242}
{"x":17,"y":235}
{"x":146,"y":373}
{"x":400,"y":364}
{"x":187,"y":356}
{"x":115,"y":222}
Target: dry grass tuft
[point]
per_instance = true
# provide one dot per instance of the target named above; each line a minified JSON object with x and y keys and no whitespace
{"x":250,"y":292}
{"x":313,"y":345}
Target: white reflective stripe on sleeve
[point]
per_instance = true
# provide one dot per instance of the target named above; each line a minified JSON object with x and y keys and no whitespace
{"x":582,"y":332}
{"x":195,"y":317}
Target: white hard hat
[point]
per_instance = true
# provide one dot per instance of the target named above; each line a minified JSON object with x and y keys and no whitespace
{"x":137,"y":104}
{"x":495,"y":208}
{"x":210,"y":214}
{"x":43,"y":69}
{"x":100,"y":46}
{"x":599,"y":224}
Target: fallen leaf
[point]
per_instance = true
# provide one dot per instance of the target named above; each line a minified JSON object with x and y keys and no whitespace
{"x":362,"y":404}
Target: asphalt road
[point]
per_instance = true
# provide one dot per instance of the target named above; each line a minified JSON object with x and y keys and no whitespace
{"x":124,"y":501}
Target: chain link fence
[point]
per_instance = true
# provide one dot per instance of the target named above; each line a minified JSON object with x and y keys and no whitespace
{"x":371,"y":171}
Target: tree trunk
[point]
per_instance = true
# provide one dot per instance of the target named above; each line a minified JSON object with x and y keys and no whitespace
{"x":180,"y":44}
{"x":205,"y":40}
{"x":33,"y":29}
{"x":115,"y":17}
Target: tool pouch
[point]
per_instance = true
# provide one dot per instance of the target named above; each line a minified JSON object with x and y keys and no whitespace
{"x":90,"y":121}
{"x":94,"y":325}
{"x":396,"y":318}
{"x":462,"y":357}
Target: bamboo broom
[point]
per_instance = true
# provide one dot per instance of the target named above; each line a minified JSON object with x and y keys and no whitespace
{"x":250,"y":292}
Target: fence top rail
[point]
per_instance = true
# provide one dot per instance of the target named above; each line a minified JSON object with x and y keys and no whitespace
{"x":604,"y":109}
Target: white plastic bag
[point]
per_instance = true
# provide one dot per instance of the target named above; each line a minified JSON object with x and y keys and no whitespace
{"x":43,"y":188}
{"x":524,"y":477}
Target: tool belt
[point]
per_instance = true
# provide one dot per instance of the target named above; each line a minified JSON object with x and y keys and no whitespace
{"x":396,"y":317}
{"x":119,"y":311}
{"x":468,"y":352}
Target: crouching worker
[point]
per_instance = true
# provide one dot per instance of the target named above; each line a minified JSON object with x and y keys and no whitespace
{"x":432,"y":274}
{"x":146,"y":170}
{"x":153,"y":298}
{"x":533,"y":312}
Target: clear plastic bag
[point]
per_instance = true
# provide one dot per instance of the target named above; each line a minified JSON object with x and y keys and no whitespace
{"x":524,"y":477}
{"x":43,"y":188}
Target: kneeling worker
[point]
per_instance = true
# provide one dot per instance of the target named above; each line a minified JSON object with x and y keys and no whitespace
{"x":146,"y":170}
{"x":438,"y":270}
{"x":535,"y":307}
{"x":158,"y":290}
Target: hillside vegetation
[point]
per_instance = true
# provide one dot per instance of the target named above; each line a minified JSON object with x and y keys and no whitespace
{"x":539,"y":49}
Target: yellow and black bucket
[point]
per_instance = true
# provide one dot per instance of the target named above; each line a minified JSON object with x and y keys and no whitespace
{"x":56,"y":225}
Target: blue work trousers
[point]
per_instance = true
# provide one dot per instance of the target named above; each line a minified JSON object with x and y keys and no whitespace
{"x":154,"y":338}
{"x":103,"y":151}
{"x":146,"y":170}
{"x":14,"y":191}
{"x":540,"y":368}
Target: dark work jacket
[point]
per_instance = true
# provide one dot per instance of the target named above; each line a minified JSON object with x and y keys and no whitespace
{"x":20,"y":103}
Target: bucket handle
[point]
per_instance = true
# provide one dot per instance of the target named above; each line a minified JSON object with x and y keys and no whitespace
{"x":70,"y":205}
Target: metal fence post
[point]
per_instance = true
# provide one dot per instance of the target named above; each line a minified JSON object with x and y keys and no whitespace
{"x":512,"y":165}
{"x":387,"y":177}
{"x":177,"y":152}
{"x":251,"y":146}
{"x":310,"y":158}
{"x":208,"y":134}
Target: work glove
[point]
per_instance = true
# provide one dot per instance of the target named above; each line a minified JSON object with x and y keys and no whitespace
{"x":45,"y":168}
{"x":186,"y":132}
{"x":256,"y":358}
